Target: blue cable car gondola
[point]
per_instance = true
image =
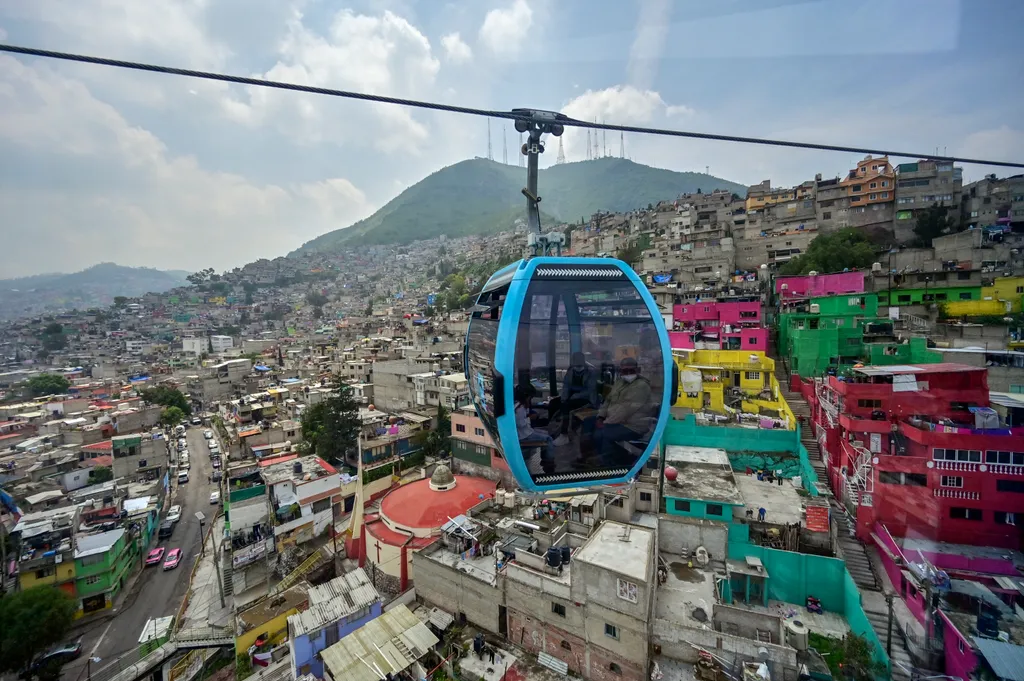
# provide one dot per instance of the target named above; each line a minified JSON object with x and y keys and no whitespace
{"x":568,"y":359}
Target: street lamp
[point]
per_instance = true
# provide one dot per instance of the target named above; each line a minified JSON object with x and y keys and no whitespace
{"x":202,"y":520}
{"x":88,"y":667}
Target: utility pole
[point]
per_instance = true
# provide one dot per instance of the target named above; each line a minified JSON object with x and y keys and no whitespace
{"x":888,"y":633}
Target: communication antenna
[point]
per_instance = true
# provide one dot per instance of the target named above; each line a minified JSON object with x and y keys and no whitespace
{"x":622,"y":145}
{"x":490,"y":156}
{"x":560,"y":159}
{"x":590,"y":156}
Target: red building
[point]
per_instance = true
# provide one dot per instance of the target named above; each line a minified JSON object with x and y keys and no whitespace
{"x":920,"y":450}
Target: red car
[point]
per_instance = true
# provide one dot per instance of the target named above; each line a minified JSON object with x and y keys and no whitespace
{"x":155,"y":556}
{"x":173,"y":558}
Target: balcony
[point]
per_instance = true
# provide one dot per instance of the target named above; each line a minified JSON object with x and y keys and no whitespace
{"x":958,"y":466}
{"x":947,"y":493}
{"x":858,"y":424}
{"x":1004,"y":469}
{"x":251,"y":553}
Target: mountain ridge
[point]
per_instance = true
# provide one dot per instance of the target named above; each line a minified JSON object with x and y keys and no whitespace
{"x":95,"y":286}
{"x":480,"y":196}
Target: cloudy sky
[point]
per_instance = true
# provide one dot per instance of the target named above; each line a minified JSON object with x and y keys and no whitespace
{"x":100,"y":164}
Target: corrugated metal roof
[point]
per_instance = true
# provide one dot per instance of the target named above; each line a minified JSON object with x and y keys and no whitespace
{"x":333,"y":600}
{"x":390,"y":643}
{"x":1005,"y":659}
{"x":92,"y":544}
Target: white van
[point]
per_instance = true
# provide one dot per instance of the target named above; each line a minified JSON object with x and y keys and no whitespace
{"x":182,"y":477}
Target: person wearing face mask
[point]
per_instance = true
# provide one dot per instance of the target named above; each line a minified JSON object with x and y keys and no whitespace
{"x":579,"y":389}
{"x":625,"y":414}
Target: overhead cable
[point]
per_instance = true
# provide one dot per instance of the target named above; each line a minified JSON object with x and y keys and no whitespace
{"x":473,"y":111}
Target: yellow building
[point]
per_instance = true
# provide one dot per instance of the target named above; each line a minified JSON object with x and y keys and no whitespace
{"x":44,"y":570}
{"x":269,"y":616}
{"x":730,"y":382}
{"x":1008,"y":289}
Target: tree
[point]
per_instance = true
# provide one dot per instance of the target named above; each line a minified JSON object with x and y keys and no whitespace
{"x":846,"y":249}
{"x":46,"y":384}
{"x":630,"y":254}
{"x":102,"y":474}
{"x":932,"y":222}
{"x":32,"y":622}
{"x":331,"y":427}
{"x":171,"y":416}
{"x":167,"y":397}
{"x":316,"y":299}
{"x":120,"y":301}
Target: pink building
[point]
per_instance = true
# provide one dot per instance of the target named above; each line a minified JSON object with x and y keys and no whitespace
{"x":819,"y":285}
{"x":719,"y":325}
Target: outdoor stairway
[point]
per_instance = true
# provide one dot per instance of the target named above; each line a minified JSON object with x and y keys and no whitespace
{"x":856,"y":557}
{"x":901,"y":661}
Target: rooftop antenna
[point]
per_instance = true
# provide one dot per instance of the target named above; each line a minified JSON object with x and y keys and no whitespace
{"x":560,"y":159}
{"x":490,"y":156}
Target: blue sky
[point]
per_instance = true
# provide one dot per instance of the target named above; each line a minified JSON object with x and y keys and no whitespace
{"x":167,"y":172}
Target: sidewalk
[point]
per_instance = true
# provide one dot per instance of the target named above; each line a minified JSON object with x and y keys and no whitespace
{"x":204,"y":607}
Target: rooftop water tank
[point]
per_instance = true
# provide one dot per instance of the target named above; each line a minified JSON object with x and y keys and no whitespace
{"x":554,"y":557}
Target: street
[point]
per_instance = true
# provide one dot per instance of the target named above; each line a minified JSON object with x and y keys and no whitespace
{"x":156,"y":593}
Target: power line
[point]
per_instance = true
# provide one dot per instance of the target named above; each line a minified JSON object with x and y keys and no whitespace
{"x":473,"y":111}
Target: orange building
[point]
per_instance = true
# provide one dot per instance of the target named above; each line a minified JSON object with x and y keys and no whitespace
{"x":873,"y":181}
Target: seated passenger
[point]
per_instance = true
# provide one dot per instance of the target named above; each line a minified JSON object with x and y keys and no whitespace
{"x":579,"y":389}
{"x":626,"y":412}
{"x":529,"y":436}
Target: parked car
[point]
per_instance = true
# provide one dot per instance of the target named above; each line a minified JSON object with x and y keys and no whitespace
{"x":60,"y":655}
{"x":196,"y":421}
{"x":155,"y":556}
{"x":214,"y":497}
{"x":166,"y":529}
{"x":217,"y":475}
{"x":172,"y":560}
{"x":216,"y":462}
{"x":208,"y":434}
{"x":174,"y":514}
{"x":182,"y":477}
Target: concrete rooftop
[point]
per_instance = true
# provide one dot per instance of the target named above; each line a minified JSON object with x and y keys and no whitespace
{"x":782,"y":503}
{"x":608,"y":549}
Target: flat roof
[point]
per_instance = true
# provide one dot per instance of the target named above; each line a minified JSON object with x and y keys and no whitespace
{"x":781,"y":502}
{"x":706,"y":455}
{"x":704,"y":482}
{"x":625,"y":549}
{"x":92,"y":544}
{"x":895,"y":369}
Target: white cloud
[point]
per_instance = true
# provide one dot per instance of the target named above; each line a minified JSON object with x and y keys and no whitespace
{"x":620,"y":104}
{"x":455,"y":49}
{"x":383,"y":55}
{"x":504,"y":30}
{"x":117,"y":193}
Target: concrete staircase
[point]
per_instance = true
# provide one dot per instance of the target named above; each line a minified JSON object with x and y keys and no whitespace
{"x":851,"y":550}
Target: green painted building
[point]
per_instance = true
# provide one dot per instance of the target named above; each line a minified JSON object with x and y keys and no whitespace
{"x":102,"y":564}
{"x":929,"y":294}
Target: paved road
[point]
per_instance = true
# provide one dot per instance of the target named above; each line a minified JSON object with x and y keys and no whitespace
{"x":156,"y":593}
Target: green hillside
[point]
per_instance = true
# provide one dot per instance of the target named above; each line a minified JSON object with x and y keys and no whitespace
{"x":482,"y":197}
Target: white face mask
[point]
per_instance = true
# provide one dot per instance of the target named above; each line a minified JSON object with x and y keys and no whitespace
{"x":629,"y":378}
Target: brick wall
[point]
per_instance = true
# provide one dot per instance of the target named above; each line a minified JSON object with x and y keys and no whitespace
{"x":590,"y":662}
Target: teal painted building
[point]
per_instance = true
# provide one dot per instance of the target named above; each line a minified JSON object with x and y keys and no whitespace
{"x":102,"y":565}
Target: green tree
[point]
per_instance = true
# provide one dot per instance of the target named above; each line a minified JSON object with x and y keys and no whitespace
{"x":316,"y":299}
{"x":932,"y":222}
{"x":120,"y":301}
{"x":171,"y":416}
{"x":32,"y":622}
{"x":101,"y":474}
{"x":630,"y":254}
{"x":331,"y":427}
{"x":166,"y":396}
{"x":46,"y":384}
{"x":846,"y":249}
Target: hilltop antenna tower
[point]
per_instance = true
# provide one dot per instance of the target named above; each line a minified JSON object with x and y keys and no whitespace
{"x":604,"y":142}
{"x":504,"y":144}
{"x":589,"y":155}
{"x":622,"y":145}
{"x":490,"y":156}
{"x":597,"y":143}
{"x":560,"y":159}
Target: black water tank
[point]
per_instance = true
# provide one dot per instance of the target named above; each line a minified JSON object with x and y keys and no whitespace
{"x":554,"y":557}
{"x":566,"y":554}
{"x":297,"y":468}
